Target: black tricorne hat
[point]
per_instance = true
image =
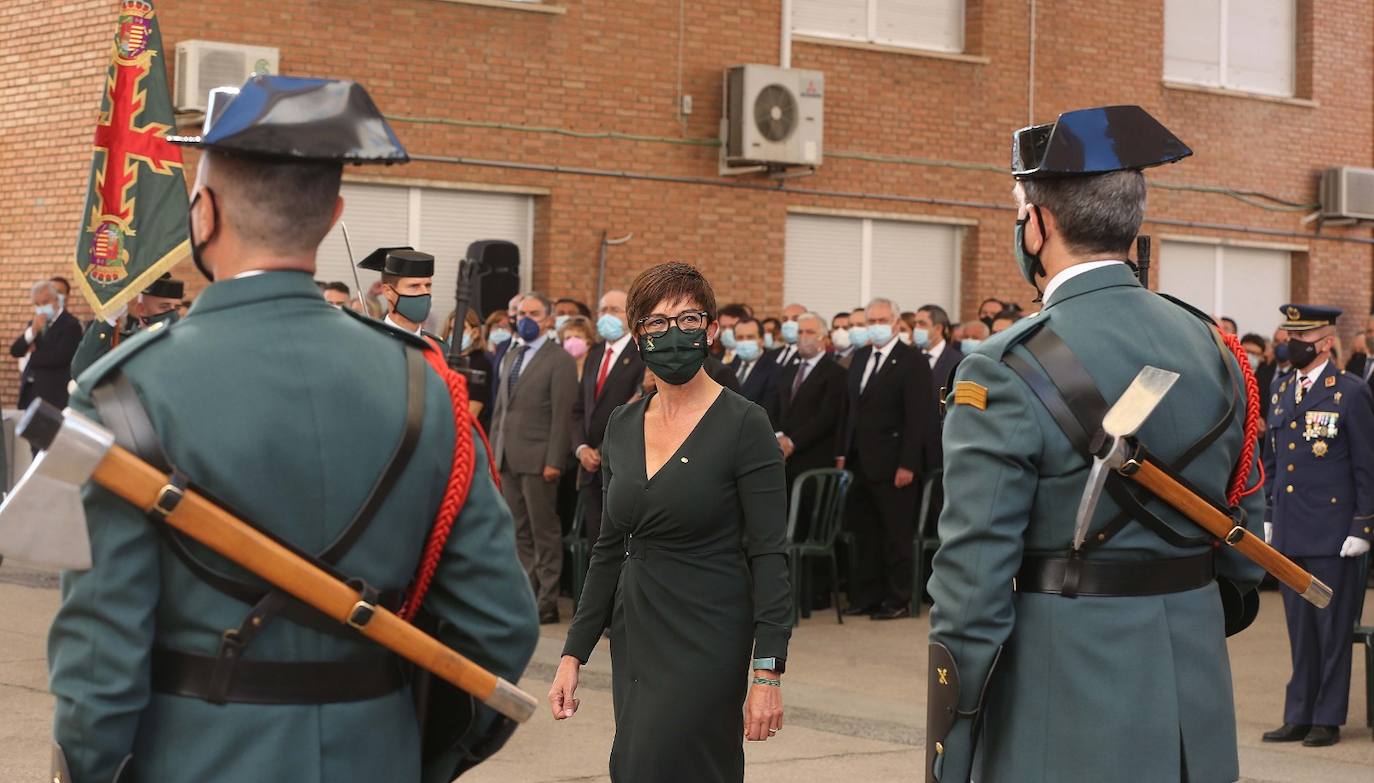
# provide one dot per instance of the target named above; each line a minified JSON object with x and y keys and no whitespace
{"x":399,"y":261}
{"x":289,"y":118}
{"x":1094,"y":141}
{"x":166,"y":287}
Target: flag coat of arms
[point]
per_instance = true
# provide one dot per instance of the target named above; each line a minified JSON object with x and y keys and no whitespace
{"x":133,"y":226}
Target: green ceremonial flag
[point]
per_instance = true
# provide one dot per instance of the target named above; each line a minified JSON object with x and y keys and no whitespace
{"x":134,"y":225}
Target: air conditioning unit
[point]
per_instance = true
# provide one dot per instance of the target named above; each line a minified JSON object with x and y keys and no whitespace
{"x":1347,"y":193}
{"x":205,"y":65}
{"x":773,"y":116}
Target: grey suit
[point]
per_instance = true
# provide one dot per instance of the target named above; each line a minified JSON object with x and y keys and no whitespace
{"x":530,"y":422}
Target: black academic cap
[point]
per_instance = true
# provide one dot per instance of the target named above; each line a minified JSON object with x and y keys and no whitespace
{"x":289,"y":118}
{"x":1094,"y":141}
{"x":167,"y":287}
{"x":399,"y":261}
{"x":1305,"y":318}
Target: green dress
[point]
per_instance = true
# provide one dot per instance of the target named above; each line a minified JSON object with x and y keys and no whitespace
{"x":690,"y":571}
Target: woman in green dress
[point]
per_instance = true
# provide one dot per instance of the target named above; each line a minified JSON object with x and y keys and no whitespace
{"x":690,"y":571}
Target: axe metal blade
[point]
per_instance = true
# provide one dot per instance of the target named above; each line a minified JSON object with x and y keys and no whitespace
{"x":43,"y":520}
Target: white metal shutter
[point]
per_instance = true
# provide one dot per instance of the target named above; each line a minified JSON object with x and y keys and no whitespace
{"x":833,"y":18}
{"x":823,"y":263}
{"x":915,"y":264}
{"x":1192,"y":41}
{"x":1188,"y":270}
{"x":450,"y":220}
{"x":377,"y":216}
{"x":923,"y":24}
{"x":1261,"y":38}
{"x":1255,"y":284}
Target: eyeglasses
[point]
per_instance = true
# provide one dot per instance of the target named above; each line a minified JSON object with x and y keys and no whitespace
{"x":689,"y":321}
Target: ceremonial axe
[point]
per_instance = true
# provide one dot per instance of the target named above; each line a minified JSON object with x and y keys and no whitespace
{"x":1120,"y":452}
{"x":43,"y":521}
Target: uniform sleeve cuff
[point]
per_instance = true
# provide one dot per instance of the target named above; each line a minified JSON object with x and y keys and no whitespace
{"x":771,"y":641}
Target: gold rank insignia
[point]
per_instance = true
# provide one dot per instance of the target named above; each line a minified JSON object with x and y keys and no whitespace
{"x":1338,"y":396}
{"x":971,"y":394}
{"x":1319,"y":448}
{"x":1330,"y":381}
{"x":1275,"y":400}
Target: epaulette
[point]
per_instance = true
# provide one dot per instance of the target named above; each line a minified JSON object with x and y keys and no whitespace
{"x":385,"y":328}
{"x":121,"y":353}
{"x":996,"y":346}
{"x":1207,"y":319}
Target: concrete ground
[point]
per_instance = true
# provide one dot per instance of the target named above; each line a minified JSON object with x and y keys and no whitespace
{"x":854,"y":698}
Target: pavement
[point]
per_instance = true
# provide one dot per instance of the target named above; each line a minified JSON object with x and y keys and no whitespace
{"x":854,"y":697}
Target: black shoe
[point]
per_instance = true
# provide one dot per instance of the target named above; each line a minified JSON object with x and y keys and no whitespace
{"x":854,"y":611}
{"x":548,"y":618}
{"x":1287,"y":733}
{"x":1322,"y":737}
{"x":891,"y":613}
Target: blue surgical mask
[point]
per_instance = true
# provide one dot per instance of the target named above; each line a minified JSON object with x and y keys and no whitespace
{"x":879,"y":334}
{"x":467,"y":341}
{"x":789,"y":332}
{"x":558,"y":321}
{"x":858,"y":336}
{"x":748,"y":350}
{"x":922,"y":337}
{"x":47,"y":311}
{"x":498,"y":336}
{"x":528,"y":329}
{"x":727,"y":337}
{"x":768,"y":341}
{"x":970,"y":345}
{"x":610,"y":328}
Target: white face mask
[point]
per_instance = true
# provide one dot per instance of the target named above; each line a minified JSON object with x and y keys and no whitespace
{"x":905,"y":337}
{"x":840,"y":339}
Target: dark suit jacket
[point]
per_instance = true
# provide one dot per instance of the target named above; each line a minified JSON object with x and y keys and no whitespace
{"x":758,"y":386}
{"x":1264,"y":378}
{"x":814,"y":419}
{"x":590,"y":413}
{"x":888,"y":425}
{"x":50,"y":364}
{"x":1359,"y":362}
{"x":942,"y":373}
{"x":722,"y":374}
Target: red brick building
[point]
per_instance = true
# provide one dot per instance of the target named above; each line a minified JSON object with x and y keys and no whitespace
{"x":551,"y":122}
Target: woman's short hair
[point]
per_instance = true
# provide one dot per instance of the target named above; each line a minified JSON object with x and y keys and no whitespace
{"x":666,"y":282}
{"x":578,"y":322}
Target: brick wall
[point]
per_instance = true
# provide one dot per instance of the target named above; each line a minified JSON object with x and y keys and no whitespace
{"x":612,"y":66}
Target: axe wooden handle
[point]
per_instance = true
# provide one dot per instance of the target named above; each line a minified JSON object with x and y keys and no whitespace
{"x":1223,"y":527}
{"x":141,"y":484}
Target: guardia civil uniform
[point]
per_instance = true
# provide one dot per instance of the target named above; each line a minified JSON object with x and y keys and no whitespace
{"x":1320,"y":487}
{"x":1122,"y":675}
{"x":160,"y":671}
{"x":102,"y":336}
{"x":406,"y":262}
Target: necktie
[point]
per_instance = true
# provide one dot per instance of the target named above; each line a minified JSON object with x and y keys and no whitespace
{"x":801,"y":377}
{"x":1304,"y":386}
{"x":743,"y":371}
{"x":872,"y":370}
{"x":515,"y":370}
{"x":605,"y":370}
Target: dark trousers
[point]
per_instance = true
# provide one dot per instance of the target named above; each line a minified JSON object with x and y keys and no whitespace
{"x":880,"y":516}
{"x":591,"y":504}
{"x":538,"y":535}
{"x":1321,"y":642}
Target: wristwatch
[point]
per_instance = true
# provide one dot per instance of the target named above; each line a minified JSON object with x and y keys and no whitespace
{"x":771,"y":664}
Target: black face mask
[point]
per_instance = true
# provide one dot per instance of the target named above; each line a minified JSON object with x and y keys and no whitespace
{"x":198,"y":250}
{"x":170,"y":317}
{"x":676,"y":357}
{"x":1301,"y":354}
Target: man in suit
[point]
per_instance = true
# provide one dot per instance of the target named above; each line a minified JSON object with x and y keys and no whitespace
{"x":1038,"y":643}
{"x":786,"y":354}
{"x":808,"y":403}
{"x":890,"y":413}
{"x":611,"y":376}
{"x":530,"y":432}
{"x":931,"y":335}
{"x":48,"y":342}
{"x":1360,"y":363}
{"x":275,"y":403}
{"x":756,"y":375}
{"x":1319,"y":470}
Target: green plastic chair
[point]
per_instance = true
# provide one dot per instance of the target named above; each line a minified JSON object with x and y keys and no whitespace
{"x":826,"y":490}
{"x":1364,"y":634}
{"x":927,"y":536}
{"x":576,"y":553}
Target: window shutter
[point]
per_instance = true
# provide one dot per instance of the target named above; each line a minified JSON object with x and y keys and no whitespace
{"x":831,"y":18}
{"x":916,"y":264}
{"x":450,"y":220}
{"x":1255,"y":284}
{"x":1261,"y":38}
{"x":1192,"y":41}
{"x":377,"y":216}
{"x":923,"y":24}
{"x":1188,"y":270}
{"x":823,"y":263}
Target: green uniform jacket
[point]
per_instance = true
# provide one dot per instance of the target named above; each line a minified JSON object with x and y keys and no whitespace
{"x":1091,"y":688}
{"x":98,"y":341}
{"x":287,"y":410}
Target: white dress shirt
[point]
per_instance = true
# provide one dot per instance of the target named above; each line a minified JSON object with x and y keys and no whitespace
{"x":390,"y":322}
{"x":1312,"y":377}
{"x":875,"y":363}
{"x":934,"y":353}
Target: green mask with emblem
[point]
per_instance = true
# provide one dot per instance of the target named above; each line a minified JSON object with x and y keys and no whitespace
{"x":676,"y":357}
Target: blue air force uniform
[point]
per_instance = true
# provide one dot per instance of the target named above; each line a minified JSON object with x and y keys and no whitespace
{"x":1319,"y":464}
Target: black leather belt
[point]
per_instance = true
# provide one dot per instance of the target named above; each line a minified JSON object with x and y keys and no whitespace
{"x":278,"y":682}
{"x":1117,"y":578}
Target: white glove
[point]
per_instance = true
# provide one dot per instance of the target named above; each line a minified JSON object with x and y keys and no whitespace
{"x":1268,"y":532}
{"x":1354,"y":547}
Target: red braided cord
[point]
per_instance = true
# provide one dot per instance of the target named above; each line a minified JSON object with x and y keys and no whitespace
{"x":459,"y":482}
{"x":1253,"y":423}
